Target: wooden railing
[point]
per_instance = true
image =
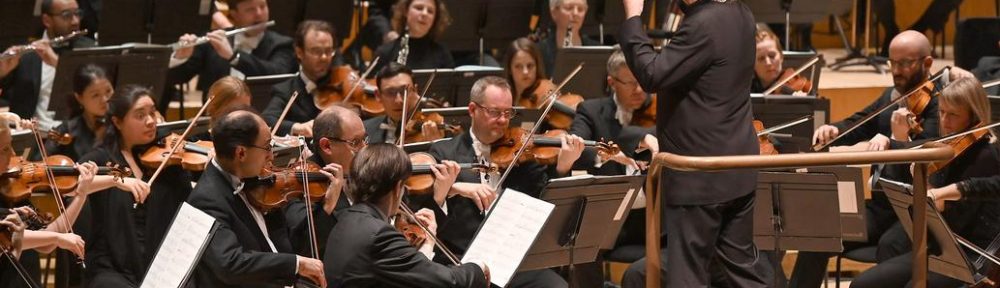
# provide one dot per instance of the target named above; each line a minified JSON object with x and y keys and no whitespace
{"x":921,"y":157}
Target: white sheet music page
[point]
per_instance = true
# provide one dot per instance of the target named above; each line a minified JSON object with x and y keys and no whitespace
{"x":181,"y":249}
{"x":508,"y":233}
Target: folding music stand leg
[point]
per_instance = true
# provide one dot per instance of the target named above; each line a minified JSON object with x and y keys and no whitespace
{"x":853,"y":52}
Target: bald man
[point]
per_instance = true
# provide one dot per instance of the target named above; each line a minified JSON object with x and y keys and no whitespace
{"x":910,"y":62}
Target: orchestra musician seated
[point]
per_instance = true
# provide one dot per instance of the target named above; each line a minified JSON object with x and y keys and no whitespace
{"x":315,"y":48}
{"x":419,"y":23}
{"x":365,"y":250}
{"x":394,"y":82}
{"x":567,"y":17}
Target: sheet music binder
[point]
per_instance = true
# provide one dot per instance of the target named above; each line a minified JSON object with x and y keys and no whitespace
{"x":155,"y":265}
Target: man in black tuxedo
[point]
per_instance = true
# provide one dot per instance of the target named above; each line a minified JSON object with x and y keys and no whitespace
{"x":249,"y":248}
{"x":702,"y":78}
{"x":254,"y":53}
{"x":395,"y":80}
{"x":491,"y":108}
{"x":315,"y":49}
{"x":27,"y":80}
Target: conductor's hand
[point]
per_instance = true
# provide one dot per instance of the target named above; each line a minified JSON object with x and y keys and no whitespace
{"x":825,"y":133}
{"x":633,"y":8}
{"x":184,"y":53}
{"x":311,"y":269}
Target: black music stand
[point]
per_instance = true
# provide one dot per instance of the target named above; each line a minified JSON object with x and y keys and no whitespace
{"x":260,"y":88}
{"x":153,"y":21}
{"x":21,"y":22}
{"x":453,"y":85}
{"x":23,"y":143}
{"x":200,"y":126}
{"x":945,"y":256}
{"x":525,"y":117}
{"x":286,"y":15}
{"x":777,"y":109}
{"x":602,"y":202}
{"x":139,"y":64}
{"x":592,"y":81}
{"x":994,"y":107}
{"x":850,"y":188}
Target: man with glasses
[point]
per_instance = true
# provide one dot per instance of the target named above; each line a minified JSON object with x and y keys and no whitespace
{"x":315,"y":48}
{"x":254,"y":53}
{"x":249,"y":248}
{"x":567,"y":15}
{"x":27,"y":79}
{"x":394,"y":81}
{"x":459,"y":209}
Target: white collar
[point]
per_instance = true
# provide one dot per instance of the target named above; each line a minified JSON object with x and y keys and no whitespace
{"x":234,"y":181}
{"x":482,"y":150}
{"x":623,"y":115}
{"x":310,"y":85}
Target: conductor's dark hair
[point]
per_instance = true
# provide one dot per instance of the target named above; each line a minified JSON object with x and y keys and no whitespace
{"x":376,"y":170}
{"x":391,"y":70}
{"x":237,"y":128}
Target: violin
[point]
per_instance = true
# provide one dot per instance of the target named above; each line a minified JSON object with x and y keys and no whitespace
{"x":421,"y":181}
{"x":645,"y":116}
{"x":766,"y":147}
{"x":959,"y":145}
{"x":23,"y":178}
{"x":14,"y":121}
{"x":916,"y":103}
{"x":415,"y":127}
{"x":274,"y":189}
{"x":192,"y":156}
{"x":410,"y":230}
{"x":797,"y":83}
{"x":543,"y":149}
{"x":339,"y":87}
{"x":563,"y":111}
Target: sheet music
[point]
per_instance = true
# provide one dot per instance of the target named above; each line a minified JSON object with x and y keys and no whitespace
{"x":181,"y":249}
{"x":848,"y":196}
{"x":508,"y":233}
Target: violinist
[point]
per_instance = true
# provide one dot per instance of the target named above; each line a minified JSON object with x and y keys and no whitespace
{"x":227,"y":92}
{"x":420,"y":23}
{"x":522,"y":65}
{"x":963,"y":106}
{"x":568,"y":17}
{"x":365,"y":250}
{"x":10,"y":221}
{"x":89,"y":104}
{"x":315,"y":48}
{"x":128,"y":229}
{"x":460,"y":212}
{"x":250,"y":248}
{"x":27,"y":79}
{"x":254,"y":53}
{"x":769,"y":65}
{"x":394,"y":81}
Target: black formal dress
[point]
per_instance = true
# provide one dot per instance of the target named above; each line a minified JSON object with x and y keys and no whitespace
{"x":22,"y":86}
{"x":365,"y":251}
{"x":976,"y":221}
{"x":239,"y":254}
{"x":273,"y":55}
{"x":83,"y":139}
{"x":303,"y":110}
{"x":702,"y":78}
{"x":124,"y":239}
{"x":457,"y":228}
{"x":425,"y":53}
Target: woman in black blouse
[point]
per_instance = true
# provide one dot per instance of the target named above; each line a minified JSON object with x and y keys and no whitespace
{"x":424,"y":21}
{"x":91,"y":91}
{"x":127,"y":231}
{"x":365,"y":250}
{"x":963,"y":106}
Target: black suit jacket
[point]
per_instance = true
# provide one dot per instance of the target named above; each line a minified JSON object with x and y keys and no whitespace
{"x":882,"y":124}
{"x":21,"y":87}
{"x":595,"y":120}
{"x":125,"y":239}
{"x":457,"y":228}
{"x":303,"y":110}
{"x":238,"y":254}
{"x":274,"y":55}
{"x":702,"y":79}
{"x":375,"y":133}
{"x":425,"y":53}
{"x":365,"y":251}
{"x":298,"y":224}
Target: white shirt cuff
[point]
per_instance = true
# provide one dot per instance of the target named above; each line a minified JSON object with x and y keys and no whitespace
{"x":174,"y":61}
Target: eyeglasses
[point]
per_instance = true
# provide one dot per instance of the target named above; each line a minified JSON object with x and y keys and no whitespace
{"x":319,"y":52}
{"x":496,"y":113}
{"x":355,"y":144}
{"x":68,"y":14}
{"x":905,"y":63}
{"x":269,"y":148}
{"x":630,"y":84}
{"x":396,"y":91}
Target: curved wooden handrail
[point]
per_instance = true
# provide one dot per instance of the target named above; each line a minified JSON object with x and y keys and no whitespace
{"x":931,"y":152}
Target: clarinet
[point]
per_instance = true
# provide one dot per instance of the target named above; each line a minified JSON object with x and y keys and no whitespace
{"x":404,"y":49}
{"x":568,"y":40}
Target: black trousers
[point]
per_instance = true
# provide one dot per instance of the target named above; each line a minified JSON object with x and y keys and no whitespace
{"x":699,"y":233}
{"x":896,"y":272}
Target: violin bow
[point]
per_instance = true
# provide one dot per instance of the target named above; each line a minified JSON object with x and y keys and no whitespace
{"x":423,"y":95}
{"x":21,"y":270}
{"x":551,"y":98}
{"x":51,"y":177}
{"x":991,"y":83}
{"x":784,"y":125}
{"x":173,"y":149}
{"x":309,"y":204}
{"x":959,"y":134}
{"x":820,"y":146}
{"x":812,"y":61}
{"x":360,"y":79}
{"x":274,"y":130}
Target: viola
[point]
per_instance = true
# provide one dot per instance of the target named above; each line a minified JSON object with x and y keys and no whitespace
{"x":543,"y":149}
{"x":192,"y":156}
{"x":23,"y":178}
{"x":274,"y":189}
{"x":415,"y":127}
{"x":796,"y":83}
{"x":410,"y":230}
{"x":766,"y":147}
{"x":421,"y":181}
{"x":563,"y":111}
{"x":338,"y":88}
{"x":916,"y":103}
{"x":645,"y":116}
{"x":959,"y":145}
